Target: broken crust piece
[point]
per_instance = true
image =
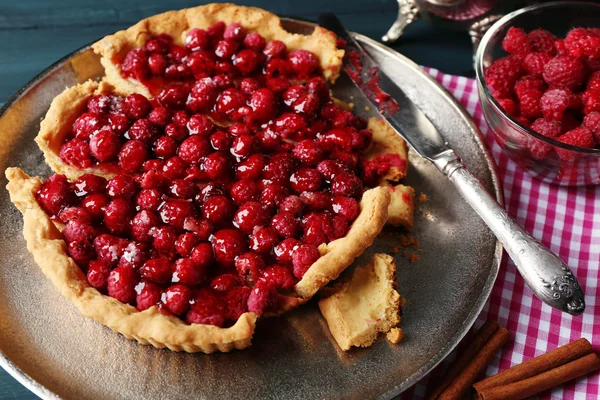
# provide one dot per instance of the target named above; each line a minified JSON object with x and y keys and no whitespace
{"x":113,"y":48}
{"x":402,"y":206}
{"x":388,"y":147}
{"x":365,"y":306}
{"x":48,"y":247}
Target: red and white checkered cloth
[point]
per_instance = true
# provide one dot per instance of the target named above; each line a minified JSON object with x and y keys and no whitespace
{"x":567,"y":220}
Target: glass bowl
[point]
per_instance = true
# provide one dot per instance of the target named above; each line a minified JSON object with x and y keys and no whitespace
{"x":576,"y":166}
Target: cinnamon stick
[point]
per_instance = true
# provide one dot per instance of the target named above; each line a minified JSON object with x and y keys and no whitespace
{"x":459,"y":386}
{"x":483,"y":334}
{"x":535,"y":366}
{"x":544,"y":381}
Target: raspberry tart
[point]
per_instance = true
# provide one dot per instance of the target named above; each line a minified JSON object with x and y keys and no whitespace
{"x":184,"y":207}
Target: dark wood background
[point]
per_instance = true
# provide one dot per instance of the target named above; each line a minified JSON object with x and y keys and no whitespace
{"x":36,"y":33}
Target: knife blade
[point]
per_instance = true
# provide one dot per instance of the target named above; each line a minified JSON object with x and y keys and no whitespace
{"x":386,"y":97}
{"x":546,"y":274}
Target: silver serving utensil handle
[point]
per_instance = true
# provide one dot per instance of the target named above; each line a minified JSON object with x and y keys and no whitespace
{"x":547,"y":275}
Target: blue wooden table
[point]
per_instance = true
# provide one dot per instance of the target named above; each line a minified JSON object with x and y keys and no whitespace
{"x":35,"y":33}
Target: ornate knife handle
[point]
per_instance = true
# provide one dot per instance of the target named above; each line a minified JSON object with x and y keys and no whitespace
{"x":547,"y":275}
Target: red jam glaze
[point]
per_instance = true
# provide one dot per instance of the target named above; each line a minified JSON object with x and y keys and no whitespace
{"x":207,"y":221}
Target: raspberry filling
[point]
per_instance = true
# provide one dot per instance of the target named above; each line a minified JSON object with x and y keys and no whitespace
{"x":226,"y":52}
{"x":223,"y":192}
{"x":552,"y":86}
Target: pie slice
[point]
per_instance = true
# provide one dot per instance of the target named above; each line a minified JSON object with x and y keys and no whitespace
{"x":185,"y":45}
{"x":214,"y":198}
{"x":366,"y":306}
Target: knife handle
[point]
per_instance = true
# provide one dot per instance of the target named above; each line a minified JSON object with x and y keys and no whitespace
{"x":547,"y":275}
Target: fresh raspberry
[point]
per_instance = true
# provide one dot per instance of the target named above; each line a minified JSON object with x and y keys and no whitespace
{"x":529,"y":102}
{"x":164,"y":238}
{"x":547,"y":127}
{"x":55,"y":194}
{"x":119,"y":123}
{"x":339,"y":228}
{"x":82,"y":252}
{"x":157,"y":64}
{"x":134,"y":256}
{"x":284,"y":250}
{"x":263,"y":240}
{"x":76,"y":152}
{"x":255,"y":41}
{"x":249,"y":265}
{"x":579,"y":137}
{"x":144,"y":130}
{"x":158,"y":270}
{"x":251,"y":168}
{"x":250,"y":216}
{"x":88,"y":123}
{"x":203,"y":95}
{"x":541,"y":41}
{"x":346,"y":207}
{"x":117,"y":215}
{"x":94,"y":204}
{"x":509,"y":106}
{"x":593,"y":81}
{"x":78,"y":231}
{"x":225,"y":282}
{"x":292,"y":204}
{"x":534,"y":63}
{"x":591,"y":101}
{"x":243,"y":146}
{"x":97,"y":274}
{"x":206,"y":308}
{"x":88,"y":183}
{"x":308,"y":152}
{"x":121,"y":186}
{"x":160,"y":116}
{"x":193,"y":149}
{"x":182,"y":189}
{"x":285,"y":224}
{"x":109,"y":248}
{"x":220,"y":140}
{"x":279,"y":276}
{"x":262,"y":297}
{"x":275,"y":49}
{"x":316,"y":227}
{"x":555,"y":102}
{"x":132,"y":155}
{"x":136,"y":106}
{"x":592,"y":122}
{"x":561,"y":48}
{"x":303,"y":257}
{"x":316,"y":201}
{"x":306,"y":180}
{"x":218,"y":209}
{"x":177,"y":299}
{"x":502,"y":74}
{"x":589,"y":46}
{"x":227,"y":245}
{"x":121,"y":284}
{"x":141,"y":225}
{"x":263,"y":103}
{"x":565,"y":72}
{"x":515,"y":42}
{"x":244,"y":191}
{"x":346,"y":184}
{"x":103,"y":103}
{"x":148,"y":295}
{"x":202,"y":257}
{"x":174,"y":212}
{"x":236,"y":302}
{"x":303,"y":62}
{"x":75,"y":214}
{"x":529,"y":82}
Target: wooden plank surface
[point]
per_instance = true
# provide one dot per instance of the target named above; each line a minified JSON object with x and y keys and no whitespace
{"x":36,"y":33}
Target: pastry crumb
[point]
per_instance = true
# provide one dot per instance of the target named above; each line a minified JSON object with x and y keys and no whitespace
{"x":413,"y":258}
{"x":395,"y":335}
{"x":422,"y":198}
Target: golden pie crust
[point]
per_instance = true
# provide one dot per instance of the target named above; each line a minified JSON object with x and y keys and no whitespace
{"x":113,"y":48}
{"x":45,"y":241}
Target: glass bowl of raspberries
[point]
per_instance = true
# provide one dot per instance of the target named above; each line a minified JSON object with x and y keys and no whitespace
{"x":538,"y":76}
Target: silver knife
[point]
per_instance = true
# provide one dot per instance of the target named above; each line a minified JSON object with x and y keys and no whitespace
{"x":547,"y":275}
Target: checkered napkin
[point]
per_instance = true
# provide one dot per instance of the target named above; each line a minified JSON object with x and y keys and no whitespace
{"x":567,"y":220}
